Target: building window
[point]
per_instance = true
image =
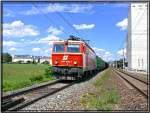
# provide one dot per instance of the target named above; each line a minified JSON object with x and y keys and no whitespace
{"x":138,"y":62}
{"x":140,"y":5}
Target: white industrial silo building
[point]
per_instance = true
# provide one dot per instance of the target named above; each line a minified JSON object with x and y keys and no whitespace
{"x":137,"y":39}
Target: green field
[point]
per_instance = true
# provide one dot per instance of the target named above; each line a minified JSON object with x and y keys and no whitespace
{"x":17,"y":76}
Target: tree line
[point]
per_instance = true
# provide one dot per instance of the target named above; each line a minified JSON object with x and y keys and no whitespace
{"x":6,"y":57}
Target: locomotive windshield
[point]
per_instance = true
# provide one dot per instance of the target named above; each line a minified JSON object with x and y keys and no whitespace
{"x":74,"y":48}
{"x":59,"y":48}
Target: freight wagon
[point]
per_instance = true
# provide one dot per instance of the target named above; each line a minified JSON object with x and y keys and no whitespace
{"x":100,"y":64}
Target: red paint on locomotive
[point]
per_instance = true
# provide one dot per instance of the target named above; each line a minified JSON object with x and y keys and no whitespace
{"x":70,"y":54}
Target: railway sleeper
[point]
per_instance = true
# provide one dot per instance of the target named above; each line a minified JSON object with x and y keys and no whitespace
{"x":12,"y":103}
{"x":5,"y":101}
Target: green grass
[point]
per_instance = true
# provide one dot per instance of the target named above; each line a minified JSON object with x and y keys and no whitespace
{"x":17,"y":76}
{"x":105,"y":96}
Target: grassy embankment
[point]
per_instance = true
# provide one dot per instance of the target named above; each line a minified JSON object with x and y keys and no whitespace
{"x":17,"y":76}
{"x":104,"y":97}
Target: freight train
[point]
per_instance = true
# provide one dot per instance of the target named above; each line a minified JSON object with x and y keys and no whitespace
{"x":74,"y":59}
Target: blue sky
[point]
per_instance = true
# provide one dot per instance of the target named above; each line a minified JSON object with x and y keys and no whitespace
{"x":28,"y":27}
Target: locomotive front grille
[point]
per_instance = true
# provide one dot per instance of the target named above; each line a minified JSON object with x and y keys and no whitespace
{"x":64,"y":70}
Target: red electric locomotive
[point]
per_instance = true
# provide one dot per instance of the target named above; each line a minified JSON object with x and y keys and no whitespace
{"x":72,"y":59}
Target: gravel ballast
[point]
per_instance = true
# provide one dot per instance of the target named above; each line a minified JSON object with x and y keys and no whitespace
{"x":130,"y":98}
{"x":67,"y":99}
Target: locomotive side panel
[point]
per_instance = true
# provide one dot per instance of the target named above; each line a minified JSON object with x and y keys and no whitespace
{"x":89,"y":60}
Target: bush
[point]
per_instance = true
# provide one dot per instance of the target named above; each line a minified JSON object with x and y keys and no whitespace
{"x":34,"y":62}
{"x":37,"y":78}
{"x":19,"y":62}
{"x":25,"y":83}
{"x":28,"y":62}
{"x":48,"y":72}
{"x":45,"y":62}
{"x":6,"y":85}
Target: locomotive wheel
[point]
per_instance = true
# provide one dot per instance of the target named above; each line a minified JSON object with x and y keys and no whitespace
{"x":85,"y":74}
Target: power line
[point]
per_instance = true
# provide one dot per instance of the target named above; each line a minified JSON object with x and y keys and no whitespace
{"x":74,"y":22}
{"x":68,"y":23}
{"x":92,"y":43}
{"x":49,"y":19}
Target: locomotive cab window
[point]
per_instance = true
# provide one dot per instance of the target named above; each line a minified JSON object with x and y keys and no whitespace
{"x":74,"y":48}
{"x":59,"y":48}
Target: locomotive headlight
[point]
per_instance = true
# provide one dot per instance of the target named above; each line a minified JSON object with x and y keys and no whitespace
{"x":56,"y":62}
{"x":75,"y":62}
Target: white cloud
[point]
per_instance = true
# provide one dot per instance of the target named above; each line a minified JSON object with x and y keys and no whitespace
{"x":49,"y":39}
{"x":72,"y":8}
{"x":19,"y":29}
{"x":8,"y":13}
{"x":123,"y":24}
{"x":10,"y":43}
{"x":22,"y":39}
{"x":36,"y":49}
{"x":83,"y":26}
{"x":120,"y":52}
{"x":32,"y":11}
{"x":12,"y":49}
{"x":48,"y":50}
{"x":54,"y":30}
{"x":122,"y":5}
{"x":104,"y":54}
{"x":98,"y":49}
{"x":107,"y":53}
{"x":80,"y":8}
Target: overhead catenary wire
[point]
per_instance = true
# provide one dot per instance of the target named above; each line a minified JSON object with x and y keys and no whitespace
{"x":49,"y":19}
{"x":68,"y":23}
{"x":74,"y":22}
{"x":92,"y":43}
{"x":82,"y":30}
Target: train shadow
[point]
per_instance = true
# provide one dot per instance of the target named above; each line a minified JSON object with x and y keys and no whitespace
{"x":89,"y":77}
{"x":80,"y":80}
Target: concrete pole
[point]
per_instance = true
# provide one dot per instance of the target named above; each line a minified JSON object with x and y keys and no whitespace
{"x":123,"y":58}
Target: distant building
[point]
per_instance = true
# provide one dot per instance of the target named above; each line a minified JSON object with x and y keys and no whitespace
{"x":137,"y":40}
{"x":29,"y":58}
{"x":22,"y":58}
{"x":44,"y":59}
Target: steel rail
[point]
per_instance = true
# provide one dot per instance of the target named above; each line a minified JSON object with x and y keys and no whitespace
{"x":141,"y":91}
{"x":10,"y":105}
{"x":27,"y":90}
{"x":130,"y":74}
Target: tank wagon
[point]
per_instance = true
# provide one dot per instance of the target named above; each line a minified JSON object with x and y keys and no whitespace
{"x":73,"y":59}
{"x":100,"y":64}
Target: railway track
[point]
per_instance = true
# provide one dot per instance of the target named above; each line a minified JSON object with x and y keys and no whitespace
{"x":138,"y":84}
{"x":21,"y":99}
{"x":135,"y":76}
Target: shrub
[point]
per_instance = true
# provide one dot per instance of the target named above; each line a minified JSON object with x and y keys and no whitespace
{"x":25,"y":83}
{"x":28,"y":62}
{"x":36,"y":78}
{"x":45,"y":62}
{"x":6,"y":85}
{"x":48,"y":72}
{"x":19,"y":62}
